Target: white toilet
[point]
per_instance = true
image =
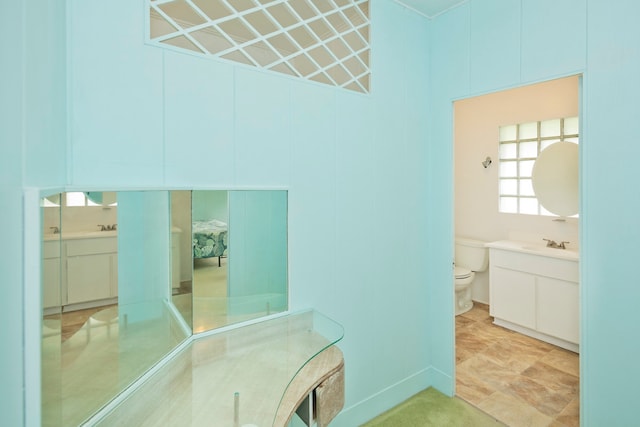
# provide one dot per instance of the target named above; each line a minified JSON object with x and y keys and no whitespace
{"x":471,"y":256}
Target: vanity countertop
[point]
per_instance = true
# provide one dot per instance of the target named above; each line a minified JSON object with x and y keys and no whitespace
{"x":253,"y":375}
{"x":535,"y":249}
{"x":75,"y":235}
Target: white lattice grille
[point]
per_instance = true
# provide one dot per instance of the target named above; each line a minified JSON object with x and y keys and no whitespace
{"x":326,"y":41}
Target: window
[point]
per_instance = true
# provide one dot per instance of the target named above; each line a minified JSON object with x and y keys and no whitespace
{"x":519,"y":147}
{"x":79,"y":199}
{"x":326,"y":41}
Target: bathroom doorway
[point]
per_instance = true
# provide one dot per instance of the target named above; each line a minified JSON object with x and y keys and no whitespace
{"x":511,"y":376}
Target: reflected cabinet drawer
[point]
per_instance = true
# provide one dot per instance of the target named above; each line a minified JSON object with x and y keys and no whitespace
{"x":92,"y":246}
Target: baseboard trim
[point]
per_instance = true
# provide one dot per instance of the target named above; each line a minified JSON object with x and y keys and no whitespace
{"x":442,"y":382}
{"x":391,"y":396}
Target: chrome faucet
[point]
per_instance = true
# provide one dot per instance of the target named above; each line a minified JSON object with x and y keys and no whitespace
{"x":553,"y":244}
{"x":56,"y":230}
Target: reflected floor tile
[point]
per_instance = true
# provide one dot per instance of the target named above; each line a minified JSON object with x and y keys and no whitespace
{"x":102,"y":357}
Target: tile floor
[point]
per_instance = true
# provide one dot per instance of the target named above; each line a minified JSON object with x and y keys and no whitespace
{"x":519,"y":380}
{"x":73,"y":321}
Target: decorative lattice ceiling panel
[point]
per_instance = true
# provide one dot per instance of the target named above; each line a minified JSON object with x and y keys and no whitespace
{"x":326,"y":41}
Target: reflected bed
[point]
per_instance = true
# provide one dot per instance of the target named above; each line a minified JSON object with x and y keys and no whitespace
{"x":209,"y":239}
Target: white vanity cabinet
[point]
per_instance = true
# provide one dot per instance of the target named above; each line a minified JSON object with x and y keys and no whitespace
{"x":175,"y":257}
{"x":91,"y":269}
{"x":535,"y":291}
{"x":51,"y":274}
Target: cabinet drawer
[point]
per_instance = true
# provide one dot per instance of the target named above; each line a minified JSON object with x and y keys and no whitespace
{"x":51,"y":250}
{"x":535,"y":264}
{"x":92,"y":246}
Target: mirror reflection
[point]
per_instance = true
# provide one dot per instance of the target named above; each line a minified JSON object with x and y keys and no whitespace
{"x":106,"y":312}
{"x":237,"y":263}
{"x":127,"y":276}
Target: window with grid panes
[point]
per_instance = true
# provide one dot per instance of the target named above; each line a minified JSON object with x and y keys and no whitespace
{"x":325,"y":41}
{"x":520,"y":145}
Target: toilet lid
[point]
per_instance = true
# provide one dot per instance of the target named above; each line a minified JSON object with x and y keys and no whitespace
{"x":461,"y":272}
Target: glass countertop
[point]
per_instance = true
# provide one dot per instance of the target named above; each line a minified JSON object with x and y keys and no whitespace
{"x":232,"y":378}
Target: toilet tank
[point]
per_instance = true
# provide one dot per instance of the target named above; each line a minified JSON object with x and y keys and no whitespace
{"x":471,"y":254}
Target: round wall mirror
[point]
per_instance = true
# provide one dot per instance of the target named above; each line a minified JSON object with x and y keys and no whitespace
{"x":555,"y":178}
{"x":105,"y":198}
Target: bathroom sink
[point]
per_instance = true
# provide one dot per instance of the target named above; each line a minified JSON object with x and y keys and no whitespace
{"x":534,"y":249}
{"x":540,"y":248}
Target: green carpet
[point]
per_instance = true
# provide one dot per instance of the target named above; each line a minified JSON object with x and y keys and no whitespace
{"x":432,"y":408}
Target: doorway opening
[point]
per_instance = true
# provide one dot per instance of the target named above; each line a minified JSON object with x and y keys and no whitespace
{"x":511,"y":372}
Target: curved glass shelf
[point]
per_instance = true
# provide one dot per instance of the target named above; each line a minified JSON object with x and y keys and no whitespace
{"x":235,"y":378}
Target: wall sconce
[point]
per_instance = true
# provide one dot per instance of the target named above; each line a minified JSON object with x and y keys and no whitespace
{"x":487,"y":162}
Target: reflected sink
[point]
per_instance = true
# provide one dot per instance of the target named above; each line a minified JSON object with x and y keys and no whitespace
{"x":79,"y":235}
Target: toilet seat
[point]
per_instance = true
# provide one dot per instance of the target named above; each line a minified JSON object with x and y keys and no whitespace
{"x":461,"y":272}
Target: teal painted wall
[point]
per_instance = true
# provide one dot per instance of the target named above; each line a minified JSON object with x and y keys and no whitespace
{"x":32,"y":153}
{"x":352,"y":164}
{"x":369,"y":176}
{"x":611,"y":203}
{"x":11,"y":256}
{"x":488,"y":45}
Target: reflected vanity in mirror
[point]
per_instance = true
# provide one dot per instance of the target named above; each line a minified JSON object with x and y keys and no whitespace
{"x":555,"y":178}
{"x":128,"y":276}
{"x":106,"y":316}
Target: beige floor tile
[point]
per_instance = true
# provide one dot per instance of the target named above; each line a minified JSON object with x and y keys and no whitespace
{"x":503,"y":355}
{"x":488,"y":372}
{"x":563,"y":360}
{"x":517,"y":379}
{"x":544,"y":399}
{"x":513,"y":412}
{"x":553,"y":378}
{"x":570,"y":416}
{"x":461,"y":322}
{"x":477,"y":313}
{"x":472,"y":342}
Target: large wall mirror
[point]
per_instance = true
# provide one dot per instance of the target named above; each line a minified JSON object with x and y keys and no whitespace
{"x":234,"y":267}
{"x":128,"y":276}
